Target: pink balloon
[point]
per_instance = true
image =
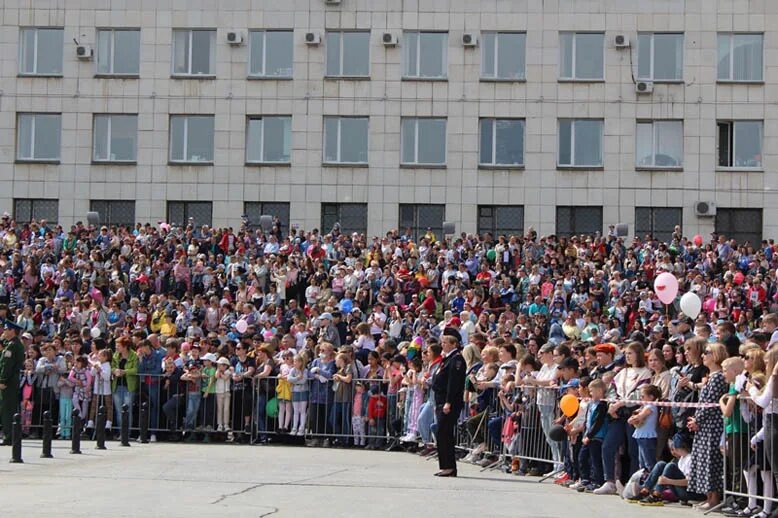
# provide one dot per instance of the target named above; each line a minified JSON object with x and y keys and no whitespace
{"x":666,"y":287}
{"x":709,"y":305}
{"x":241,"y":326}
{"x":697,"y":240}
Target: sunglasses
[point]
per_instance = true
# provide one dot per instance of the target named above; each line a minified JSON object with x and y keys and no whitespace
{"x":707,"y":351}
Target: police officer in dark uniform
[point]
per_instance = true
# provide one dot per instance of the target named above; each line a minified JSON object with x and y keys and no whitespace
{"x":448,"y":385}
{"x":11,"y":364}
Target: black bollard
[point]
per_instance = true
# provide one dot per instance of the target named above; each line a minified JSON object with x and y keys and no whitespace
{"x":75,"y":434}
{"x":144,"y":423}
{"x":100,"y":429}
{"x":125,"y":430}
{"x":16,"y":440}
{"x":47,"y":435}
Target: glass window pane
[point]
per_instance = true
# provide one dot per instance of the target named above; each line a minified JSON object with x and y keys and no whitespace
{"x":410,"y":55}
{"x":280,"y":45}
{"x":181,"y":52}
{"x":200,"y":139}
{"x":333,"y":53}
{"x":668,"y":57}
{"x":27,"y":52}
{"x":748,"y":144}
{"x":724,"y":56}
{"x":432,"y":141}
{"x":644,"y":144}
{"x":47,"y":135}
{"x":488,"y":54}
{"x":588,"y":142}
{"x":565,"y":142}
{"x":510,"y":142}
{"x":669,"y":143}
{"x":277,"y":137}
{"x":747,"y":57}
{"x":353,"y":140}
{"x":177,"y":133}
{"x":25,"y":136}
{"x":589,"y":56}
{"x":566,"y":54}
{"x":331,"y":126}
{"x":408,"y":141}
{"x":256,"y":48}
{"x":50,"y":44}
{"x":101,"y":137}
{"x":356,"y":53}
{"x":432,"y":57}
{"x":124,"y":130}
{"x":104,"y":41}
{"x":644,"y":56}
{"x":126,"y":52}
{"x":511,"y":55}
{"x":201,"y":52}
{"x":254,"y":140}
{"x":487,"y":136}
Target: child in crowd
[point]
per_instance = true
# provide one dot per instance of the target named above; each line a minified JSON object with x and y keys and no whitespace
{"x":394,"y":369}
{"x":81,"y":378}
{"x":358,"y":413}
{"x":222,"y":387}
{"x":757,"y":461}
{"x":668,"y":480}
{"x":341,"y":411}
{"x":735,"y":428}
{"x":574,"y":427}
{"x":66,"y":385}
{"x":208,"y":380}
{"x":590,"y":458}
{"x":101,"y":374}
{"x":284,"y":392}
{"x":414,"y":397}
{"x":376,"y":418}
{"x":192,"y":377}
{"x":644,"y":420}
{"x":298,"y":377}
{"x":27,"y":384}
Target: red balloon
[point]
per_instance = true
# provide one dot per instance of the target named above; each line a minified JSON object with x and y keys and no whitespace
{"x":697,"y":240}
{"x":739,"y":278}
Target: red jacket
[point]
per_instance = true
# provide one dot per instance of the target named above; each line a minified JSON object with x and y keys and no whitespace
{"x":376,"y":407}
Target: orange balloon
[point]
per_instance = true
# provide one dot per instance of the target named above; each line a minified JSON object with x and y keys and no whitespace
{"x":569,"y":405}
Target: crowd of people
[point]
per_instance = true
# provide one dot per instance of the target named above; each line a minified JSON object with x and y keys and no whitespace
{"x":335,"y":338}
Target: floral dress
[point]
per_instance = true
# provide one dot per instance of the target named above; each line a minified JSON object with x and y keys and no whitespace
{"x":707,"y":473}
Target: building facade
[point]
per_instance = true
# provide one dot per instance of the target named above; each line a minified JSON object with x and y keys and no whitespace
{"x":497,"y":115}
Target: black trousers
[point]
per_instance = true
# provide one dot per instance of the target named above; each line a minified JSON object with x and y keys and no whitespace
{"x":446,"y":436}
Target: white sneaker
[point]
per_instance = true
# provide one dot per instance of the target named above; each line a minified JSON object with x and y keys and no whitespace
{"x":153,"y":438}
{"x":608,"y":488}
{"x":90,"y":424}
{"x":619,"y":487}
{"x":576,"y":485}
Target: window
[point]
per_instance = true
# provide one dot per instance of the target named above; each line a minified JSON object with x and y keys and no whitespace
{"x":115,"y":138}
{"x":502,"y":142}
{"x":348,"y":53}
{"x":38,"y":136}
{"x":27,"y":209}
{"x":118,"y":52}
{"x":271,"y":54}
{"x":269,"y":140}
{"x":578,"y":220}
{"x":740,"y":144}
{"x":279,"y":211}
{"x":582,"y":55}
{"x":501,"y":220}
{"x":503,"y":55}
{"x":114,"y":212}
{"x":182,"y":213}
{"x":660,"y":56}
{"x":659,"y":144}
{"x":740,"y":57}
{"x":191,"y":138}
{"x":425,"y":55}
{"x":194,"y":52}
{"x":345,"y":140}
{"x":421,"y":217}
{"x":580,"y":142}
{"x":740,"y":224}
{"x":660,"y":222}
{"x":352,"y":217}
{"x":423,"y":141}
{"x":40,"y":51}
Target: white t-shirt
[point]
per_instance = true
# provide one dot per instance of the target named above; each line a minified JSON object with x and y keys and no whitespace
{"x":546,"y":395}
{"x":377,"y":318}
{"x":685,"y":465}
{"x":102,"y":384}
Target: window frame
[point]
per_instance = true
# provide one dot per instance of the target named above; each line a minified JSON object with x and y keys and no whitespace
{"x":652,"y":216}
{"x":416,"y":163}
{"x":107,"y":220}
{"x":186,"y":206}
{"x":417,"y":76}
{"x":573,"y":78}
{"x":113,"y":31}
{"x":338,"y":206}
{"x":341,"y":47}
{"x":339,"y":162}
{"x":264,"y":32}
{"x":494,"y":164}
{"x":264,"y":160}
{"x":32,"y":159}
{"x":110,"y":117}
{"x":572,"y":165}
{"x":652,"y":52}
{"x":573,"y":218}
{"x":416,"y":228}
{"x":731,"y":213}
{"x":730,"y":77}
{"x":496,"y":77}
{"x":211,"y":49}
{"x":20,"y":54}
{"x":733,"y":123}
{"x":653,"y":166}
{"x":186,"y":161}
{"x":494,"y":230}
{"x":33,"y":202}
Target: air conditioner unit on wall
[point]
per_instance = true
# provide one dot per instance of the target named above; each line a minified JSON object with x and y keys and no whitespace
{"x":235,"y":38}
{"x":621,"y":41}
{"x":389,"y":39}
{"x":469,"y":39}
{"x":312,"y":38}
{"x":705,"y":209}
{"x":644,"y":87}
{"x":84,"y":52}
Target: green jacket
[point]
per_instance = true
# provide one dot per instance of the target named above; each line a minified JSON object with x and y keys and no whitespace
{"x":131,"y":371}
{"x":11,"y":363}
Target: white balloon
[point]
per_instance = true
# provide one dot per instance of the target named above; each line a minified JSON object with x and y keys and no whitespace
{"x":691,"y":305}
{"x":241,"y":326}
{"x":95,"y":332}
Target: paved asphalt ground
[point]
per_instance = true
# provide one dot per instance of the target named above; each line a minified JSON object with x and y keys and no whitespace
{"x":188,"y":480}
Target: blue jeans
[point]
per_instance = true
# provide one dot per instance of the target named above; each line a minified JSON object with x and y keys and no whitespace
{"x":261,"y":415}
{"x":647,"y":453}
{"x":494,"y":426}
{"x":339,"y":420}
{"x":154,"y":406}
{"x":425,"y":421}
{"x":546,"y":422}
{"x":192,"y":407}
{"x":122,"y":396}
{"x":618,"y":432}
{"x":65,"y":417}
{"x":669,"y":470}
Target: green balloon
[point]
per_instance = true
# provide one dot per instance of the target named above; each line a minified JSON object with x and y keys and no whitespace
{"x":491,"y":255}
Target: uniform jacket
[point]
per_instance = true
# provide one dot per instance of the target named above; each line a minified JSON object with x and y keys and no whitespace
{"x":448,"y":384}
